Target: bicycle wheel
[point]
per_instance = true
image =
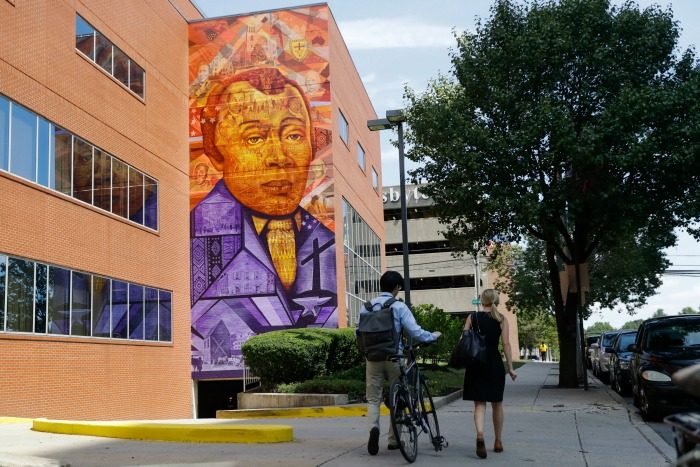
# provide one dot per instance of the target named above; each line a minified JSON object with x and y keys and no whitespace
{"x":402,"y":423}
{"x":429,"y":414}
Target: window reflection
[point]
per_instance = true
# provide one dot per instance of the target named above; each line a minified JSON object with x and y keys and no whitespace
{"x":40,"y":299}
{"x":4,"y":132}
{"x":150,"y":203}
{"x":3,"y":271}
{"x":63,"y":148}
{"x":43,"y":150}
{"x":120,"y":306}
{"x":135,"y":195}
{"x":103,"y":180}
{"x":103,"y":52}
{"x":101,"y":298}
{"x":135,"y":312}
{"x":120,"y":188}
{"x":81,"y":304}
{"x":20,"y":295}
{"x":136,"y":79}
{"x":84,"y":37}
{"x":49,"y":299}
{"x":23,"y":143}
{"x":164,"y":316}
{"x":121,"y":67}
{"x":151,"y":315}
{"x":59,"y":300}
{"x":82,"y":170}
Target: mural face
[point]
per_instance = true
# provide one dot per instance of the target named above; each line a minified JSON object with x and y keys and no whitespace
{"x":261,"y":184}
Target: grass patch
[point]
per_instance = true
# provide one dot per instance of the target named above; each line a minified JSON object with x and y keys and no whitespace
{"x":442,"y":381}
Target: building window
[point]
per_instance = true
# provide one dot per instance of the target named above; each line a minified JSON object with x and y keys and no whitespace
{"x":375,"y":180}
{"x":39,"y":151}
{"x":49,"y":300}
{"x":360,"y":156}
{"x":95,"y":46}
{"x":362,"y":250}
{"x":344,"y":128}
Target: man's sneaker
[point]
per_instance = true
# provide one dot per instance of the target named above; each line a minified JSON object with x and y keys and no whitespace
{"x":373,"y":443}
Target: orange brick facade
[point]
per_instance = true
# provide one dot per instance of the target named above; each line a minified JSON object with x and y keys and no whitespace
{"x":93,"y":378}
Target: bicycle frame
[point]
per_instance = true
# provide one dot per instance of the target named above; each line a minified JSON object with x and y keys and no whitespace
{"x":416,"y":409}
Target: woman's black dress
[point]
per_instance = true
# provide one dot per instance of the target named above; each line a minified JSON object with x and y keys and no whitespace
{"x":485,"y":382}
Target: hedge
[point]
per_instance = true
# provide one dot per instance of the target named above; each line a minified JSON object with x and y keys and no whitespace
{"x":294,"y":355}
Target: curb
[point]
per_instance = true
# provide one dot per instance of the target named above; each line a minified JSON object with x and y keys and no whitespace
{"x":651,"y":436}
{"x":9,"y":420}
{"x":177,"y":432}
{"x":349,"y":410}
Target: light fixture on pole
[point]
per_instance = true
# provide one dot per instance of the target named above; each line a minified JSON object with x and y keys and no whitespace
{"x":396,"y":118}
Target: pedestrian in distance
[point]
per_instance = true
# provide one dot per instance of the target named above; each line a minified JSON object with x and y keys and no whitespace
{"x":543,"y":351}
{"x":386,"y":370}
{"x":484,"y":382}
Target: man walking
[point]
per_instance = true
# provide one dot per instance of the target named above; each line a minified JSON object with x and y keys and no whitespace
{"x":379,"y":371}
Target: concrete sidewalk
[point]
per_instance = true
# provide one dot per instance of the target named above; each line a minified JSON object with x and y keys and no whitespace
{"x":544,"y":426}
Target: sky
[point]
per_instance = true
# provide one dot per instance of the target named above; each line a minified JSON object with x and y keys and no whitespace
{"x":396,"y":44}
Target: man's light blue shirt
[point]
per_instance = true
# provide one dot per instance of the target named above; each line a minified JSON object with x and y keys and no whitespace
{"x":403,"y":318}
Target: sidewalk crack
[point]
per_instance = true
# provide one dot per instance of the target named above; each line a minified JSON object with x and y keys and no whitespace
{"x":580,"y":442}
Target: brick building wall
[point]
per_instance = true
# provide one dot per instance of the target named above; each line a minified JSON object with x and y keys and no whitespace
{"x":94,"y":378}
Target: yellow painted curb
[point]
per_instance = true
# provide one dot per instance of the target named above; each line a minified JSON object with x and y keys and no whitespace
{"x":8,"y":420}
{"x":355,"y":410}
{"x":180,"y":432}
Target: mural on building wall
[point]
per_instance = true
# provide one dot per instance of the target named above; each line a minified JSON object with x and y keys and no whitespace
{"x":261,"y":183}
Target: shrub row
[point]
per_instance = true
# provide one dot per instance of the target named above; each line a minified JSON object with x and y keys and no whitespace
{"x":294,"y":355}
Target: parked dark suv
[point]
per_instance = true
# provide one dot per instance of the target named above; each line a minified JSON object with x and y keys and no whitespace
{"x":662,"y":347}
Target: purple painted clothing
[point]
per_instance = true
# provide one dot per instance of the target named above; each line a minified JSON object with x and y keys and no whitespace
{"x":236,"y":292}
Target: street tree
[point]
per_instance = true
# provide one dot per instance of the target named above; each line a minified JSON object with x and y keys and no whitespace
{"x":689,"y":310}
{"x":634,"y":324}
{"x":599,"y":327}
{"x":573,"y":122}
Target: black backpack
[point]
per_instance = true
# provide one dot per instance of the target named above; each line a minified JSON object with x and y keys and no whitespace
{"x":377,"y":339}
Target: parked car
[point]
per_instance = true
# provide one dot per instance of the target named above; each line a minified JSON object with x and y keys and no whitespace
{"x":662,"y":347}
{"x":620,"y":358}
{"x":601,"y":359}
{"x":591,"y":345}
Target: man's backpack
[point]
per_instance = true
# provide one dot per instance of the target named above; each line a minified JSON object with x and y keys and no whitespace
{"x":376,"y":337}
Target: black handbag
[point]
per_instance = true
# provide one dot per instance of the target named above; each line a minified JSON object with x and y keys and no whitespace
{"x":470,"y":348}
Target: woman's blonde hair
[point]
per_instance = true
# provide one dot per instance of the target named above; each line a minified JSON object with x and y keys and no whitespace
{"x":489,"y":299}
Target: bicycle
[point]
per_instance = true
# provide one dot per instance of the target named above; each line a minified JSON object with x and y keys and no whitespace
{"x":411,"y":407}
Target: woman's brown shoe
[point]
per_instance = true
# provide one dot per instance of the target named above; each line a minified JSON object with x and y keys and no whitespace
{"x":498,"y":446}
{"x":480,"y":448}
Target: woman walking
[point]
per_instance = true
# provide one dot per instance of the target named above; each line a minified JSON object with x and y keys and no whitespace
{"x":484,"y":382}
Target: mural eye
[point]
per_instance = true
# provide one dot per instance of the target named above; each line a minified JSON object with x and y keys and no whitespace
{"x":254,"y":140}
{"x":294,"y":137}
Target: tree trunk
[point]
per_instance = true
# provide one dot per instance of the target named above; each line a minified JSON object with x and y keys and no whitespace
{"x":565,"y":315}
{"x":566,"y":330}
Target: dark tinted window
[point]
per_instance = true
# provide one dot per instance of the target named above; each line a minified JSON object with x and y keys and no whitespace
{"x":82,"y":170}
{"x":672,"y":336}
{"x":59,"y":300}
{"x":101,"y":296}
{"x":608,"y":339}
{"x":40,"y":299}
{"x":120,"y":306}
{"x":63,"y":147}
{"x":81,"y":305}
{"x":164,"y":316}
{"x":20,"y":293}
{"x":3,"y":271}
{"x":151,"y":315}
{"x":625,"y":340}
{"x":120,"y":188}
{"x":135,"y":312}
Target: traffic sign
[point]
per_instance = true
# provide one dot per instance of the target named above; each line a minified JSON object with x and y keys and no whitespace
{"x":476,"y":301}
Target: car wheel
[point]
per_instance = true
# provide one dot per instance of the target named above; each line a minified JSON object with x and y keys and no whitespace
{"x":647,"y":410}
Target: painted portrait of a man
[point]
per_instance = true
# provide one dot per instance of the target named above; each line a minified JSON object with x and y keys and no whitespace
{"x":259,"y":260}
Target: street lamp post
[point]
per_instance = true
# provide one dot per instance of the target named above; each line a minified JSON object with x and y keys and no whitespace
{"x":395,"y":118}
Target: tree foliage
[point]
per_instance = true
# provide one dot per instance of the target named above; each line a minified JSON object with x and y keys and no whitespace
{"x":572,"y":122}
{"x":599,"y":327}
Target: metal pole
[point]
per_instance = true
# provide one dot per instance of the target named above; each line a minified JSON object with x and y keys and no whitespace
{"x":404,"y":221}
